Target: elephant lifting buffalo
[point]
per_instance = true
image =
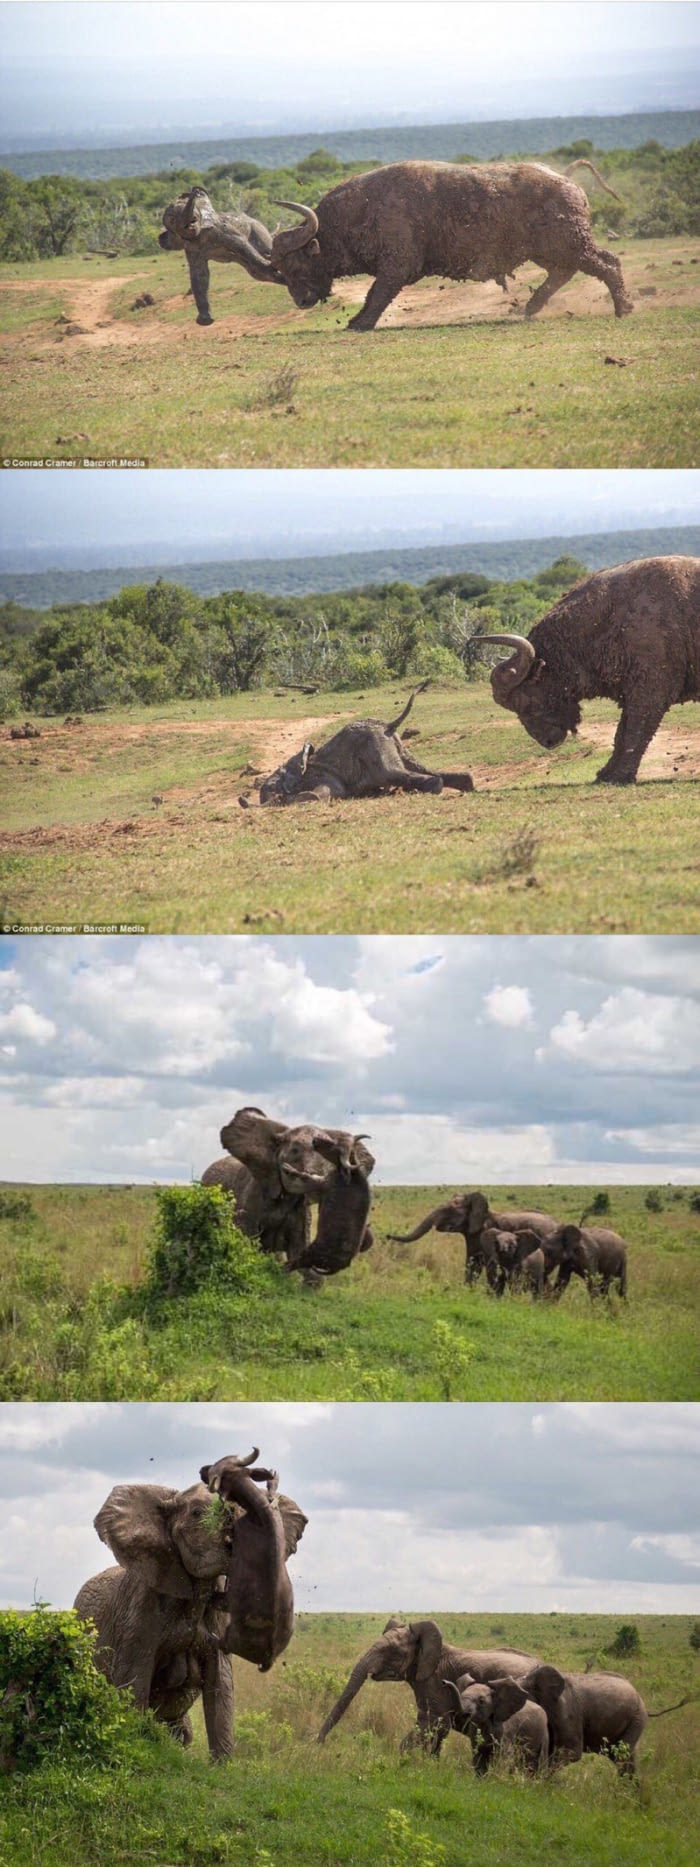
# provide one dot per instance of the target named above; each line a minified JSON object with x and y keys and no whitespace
{"x":189,"y":1593}
{"x":277,"y":1174}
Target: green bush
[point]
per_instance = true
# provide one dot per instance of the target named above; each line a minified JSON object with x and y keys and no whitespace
{"x":196,"y":1242}
{"x":694,"y":1637}
{"x":53,"y":1702}
{"x":16,"y":1206}
{"x":653,"y":1201}
{"x":626,"y":1641}
{"x":600,"y":1203}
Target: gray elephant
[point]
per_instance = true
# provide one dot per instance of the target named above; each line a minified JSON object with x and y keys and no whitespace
{"x":192,"y":225}
{"x":362,"y":759}
{"x":277,"y":1173}
{"x":593,"y":1253}
{"x":599,"y":1712}
{"x":187,"y":1594}
{"x":470,"y":1214}
{"x":499,"y":1718}
{"x":520,"y":1258}
{"x":418,"y":1654}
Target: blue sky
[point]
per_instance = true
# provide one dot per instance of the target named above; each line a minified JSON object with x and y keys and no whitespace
{"x":113,"y":70}
{"x":411,"y":1508}
{"x":46,"y":516}
{"x":541,"y":1059}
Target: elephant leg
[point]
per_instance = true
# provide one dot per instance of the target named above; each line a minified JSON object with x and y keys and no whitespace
{"x":182,"y":1731}
{"x":199,"y":286}
{"x":429,"y":781}
{"x":380,"y":294}
{"x":217,"y":1700}
{"x":133,"y":1666}
{"x":553,"y":283}
{"x":457,"y":780}
{"x":636,"y":727}
{"x":367,"y":1239}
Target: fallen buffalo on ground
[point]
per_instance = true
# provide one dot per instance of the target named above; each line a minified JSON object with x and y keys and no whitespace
{"x":364,"y":759}
{"x":416,"y":220}
{"x":631,"y":634}
{"x":192,"y":225}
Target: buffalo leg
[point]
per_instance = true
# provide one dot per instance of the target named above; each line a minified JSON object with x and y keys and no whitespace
{"x":378,"y":297}
{"x":553,"y":283}
{"x":635,"y":731}
{"x":199,"y":286}
{"x":601,"y":264}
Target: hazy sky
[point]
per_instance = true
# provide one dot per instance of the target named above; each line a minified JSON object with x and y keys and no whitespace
{"x":411,"y":1508}
{"x":285,"y":513}
{"x":269,"y":66}
{"x":547,"y":1059}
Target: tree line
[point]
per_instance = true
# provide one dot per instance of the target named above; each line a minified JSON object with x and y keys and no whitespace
{"x":52,"y":215}
{"x":159,"y":642}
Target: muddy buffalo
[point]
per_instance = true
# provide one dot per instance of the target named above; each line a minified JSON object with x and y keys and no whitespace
{"x":192,"y":225}
{"x":631,"y":634}
{"x":364,"y":759}
{"x":416,"y":220}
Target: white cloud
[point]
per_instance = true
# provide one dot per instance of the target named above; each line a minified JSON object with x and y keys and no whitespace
{"x":632,"y":1031}
{"x":510,"y":1005}
{"x":24,"y":1021}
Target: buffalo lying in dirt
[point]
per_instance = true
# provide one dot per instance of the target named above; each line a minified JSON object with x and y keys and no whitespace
{"x":364,"y":759}
{"x":416,"y":220}
{"x":192,"y":225}
{"x":631,"y":634}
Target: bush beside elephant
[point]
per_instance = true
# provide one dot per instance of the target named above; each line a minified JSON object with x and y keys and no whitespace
{"x":187,"y":1595}
{"x":417,"y":1653}
{"x":276,"y":1173}
{"x":470,"y":1214}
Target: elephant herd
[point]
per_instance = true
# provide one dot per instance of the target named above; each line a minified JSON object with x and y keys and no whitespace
{"x":277,"y":1173}
{"x":201,"y":1575}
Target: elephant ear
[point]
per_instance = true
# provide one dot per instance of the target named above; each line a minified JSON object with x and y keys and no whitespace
{"x":294,"y":1522}
{"x":134,"y":1522}
{"x":454,"y":1692}
{"x":429,"y":1638}
{"x":476,"y":1211}
{"x":571,"y":1235}
{"x":545,"y":1685}
{"x":507,"y":1697}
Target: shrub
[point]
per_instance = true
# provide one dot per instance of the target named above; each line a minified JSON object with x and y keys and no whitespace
{"x":694,"y":1637}
{"x":626,"y":1640}
{"x":694,"y":1202}
{"x":600,"y":1203}
{"x":653,"y":1201}
{"x":17,"y":1206}
{"x":53,"y":1702}
{"x":452,"y":1355}
{"x":196,"y":1242}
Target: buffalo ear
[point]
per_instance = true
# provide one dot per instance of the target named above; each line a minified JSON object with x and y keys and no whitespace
{"x":507,"y":1697}
{"x":313,"y":247}
{"x":538,"y":669}
{"x":134,"y":1522}
{"x":545,"y":1685}
{"x":294,"y":1522}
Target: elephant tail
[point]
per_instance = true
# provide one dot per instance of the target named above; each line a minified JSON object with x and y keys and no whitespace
{"x":394,"y":725}
{"x":668,"y":1708}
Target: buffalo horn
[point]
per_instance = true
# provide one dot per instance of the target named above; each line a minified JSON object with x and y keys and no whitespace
{"x":290,"y":239}
{"x":525,"y":656}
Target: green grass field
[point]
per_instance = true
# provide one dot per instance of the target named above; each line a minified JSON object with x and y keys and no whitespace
{"x":453,"y":380}
{"x":354,"y":1803}
{"x":133,"y":817}
{"x":399,"y":1325}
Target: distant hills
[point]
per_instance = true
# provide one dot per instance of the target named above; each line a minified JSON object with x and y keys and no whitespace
{"x":505,"y":560}
{"x":434,"y":142}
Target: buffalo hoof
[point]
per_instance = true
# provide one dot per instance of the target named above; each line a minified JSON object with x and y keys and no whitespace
{"x":202,"y":320}
{"x":613,"y":777}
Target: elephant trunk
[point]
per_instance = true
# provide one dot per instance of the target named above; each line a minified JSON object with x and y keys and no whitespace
{"x":419,"y":1231}
{"x":360,"y":1672}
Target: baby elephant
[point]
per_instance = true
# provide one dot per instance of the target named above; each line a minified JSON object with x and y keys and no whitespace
{"x":342,"y":1231}
{"x":595,"y":1254}
{"x":192,"y":225}
{"x":500,"y":1717}
{"x":514,"y":1259}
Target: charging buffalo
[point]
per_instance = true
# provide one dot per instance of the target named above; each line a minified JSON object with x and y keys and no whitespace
{"x":416,"y":220}
{"x":631,"y":634}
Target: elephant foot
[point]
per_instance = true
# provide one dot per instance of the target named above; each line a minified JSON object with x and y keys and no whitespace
{"x":608,"y":776}
{"x":204,"y":320}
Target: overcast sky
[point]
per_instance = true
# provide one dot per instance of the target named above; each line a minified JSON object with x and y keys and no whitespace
{"x":411,"y":1508}
{"x":271,"y":66}
{"x":546,"y":1059}
{"x":282,"y":514}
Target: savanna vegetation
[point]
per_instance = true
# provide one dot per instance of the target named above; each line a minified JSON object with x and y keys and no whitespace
{"x":98,"y":1305}
{"x":355,"y":1803}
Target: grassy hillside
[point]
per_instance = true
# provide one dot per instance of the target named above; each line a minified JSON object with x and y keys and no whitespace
{"x":355,"y":1803}
{"x":133,"y":816}
{"x":350,"y":570}
{"x":399,"y":1325}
